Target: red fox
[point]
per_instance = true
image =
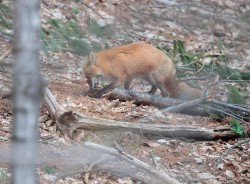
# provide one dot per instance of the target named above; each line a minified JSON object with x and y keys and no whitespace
{"x":123,"y":63}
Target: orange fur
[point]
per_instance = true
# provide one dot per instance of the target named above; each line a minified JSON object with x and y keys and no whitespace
{"x":186,"y":92}
{"x":123,"y":63}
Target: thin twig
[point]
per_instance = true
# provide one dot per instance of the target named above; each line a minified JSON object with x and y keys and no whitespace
{"x":70,"y":173}
{"x":153,"y":158}
{"x":201,"y":68}
{"x":218,"y":160}
{"x":4,"y":56}
{"x":135,"y":162}
{"x":184,"y":105}
{"x":90,"y":168}
{"x":167,"y":5}
{"x":185,"y":68}
{"x":229,"y":106}
{"x":228,"y":114}
{"x":192,"y":78}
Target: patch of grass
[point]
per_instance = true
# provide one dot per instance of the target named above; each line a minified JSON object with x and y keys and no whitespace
{"x":98,"y":30}
{"x":79,"y":46}
{"x":96,"y":46}
{"x":48,"y":169}
{"x":234,"y":96}
{"x":213,"y":113}
{"x":246,"y":16}
{"x":231,"y":74}
{"x":237,"y":128}
{"x":219,"y":44}
{"x":75,"y":10}
{"x":65,"y":36}
{"x":133,"y":146}
{"x":6,"y":20}
{"x":179,"y":47}
{"x":227,"y":73}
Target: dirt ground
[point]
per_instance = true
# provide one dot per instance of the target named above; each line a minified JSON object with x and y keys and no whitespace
{"x":187,"y":161}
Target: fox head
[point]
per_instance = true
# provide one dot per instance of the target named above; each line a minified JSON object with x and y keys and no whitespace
{"x":92,"y":72}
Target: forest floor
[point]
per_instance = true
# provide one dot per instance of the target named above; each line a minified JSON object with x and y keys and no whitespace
{"x":187,"y":161}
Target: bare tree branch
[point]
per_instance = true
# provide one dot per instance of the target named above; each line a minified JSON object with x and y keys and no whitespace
{"x":218,"y":160}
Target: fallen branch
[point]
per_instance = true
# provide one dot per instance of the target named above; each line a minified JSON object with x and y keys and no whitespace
{"x":55,"y":110}
{"x":189,"y":132}
{"x":204,"y":101}
{"x":90,"y":157}
{"x":68,"y":174}
{"x":229,"y":114}
{"x":183,"y":106}
{"x":241,"y":108}
{"x":71,"y":121}
{"x":92,"y":165}
{"x":157,"y":101}
{"x":164,"y":178}
{"x":218,"y":160}
{"x":2,"y":57}
{"x":142,"y":98}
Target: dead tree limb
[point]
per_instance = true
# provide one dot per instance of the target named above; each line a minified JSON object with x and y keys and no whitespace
{"x":157,"y":101}
{"x":53,"y":107}
{"x":183,"y":106}
{"x":164,"y":178}
{"x":142,"y":98}
{"x":72,"y":121}
{"x":189,"y":132}
{"x":218,"y":160}
{"x":90,"y":157}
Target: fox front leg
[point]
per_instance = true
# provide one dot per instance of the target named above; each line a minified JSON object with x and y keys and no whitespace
{"x":106,"y":89}
{"x":153,"y":85}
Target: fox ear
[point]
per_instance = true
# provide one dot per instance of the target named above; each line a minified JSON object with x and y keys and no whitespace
{"x":91,"y":58}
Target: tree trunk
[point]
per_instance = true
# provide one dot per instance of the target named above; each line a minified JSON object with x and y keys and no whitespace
{"x":26,"y":91}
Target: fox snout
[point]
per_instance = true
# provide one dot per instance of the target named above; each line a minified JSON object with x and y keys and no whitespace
{"x":93,"y":82}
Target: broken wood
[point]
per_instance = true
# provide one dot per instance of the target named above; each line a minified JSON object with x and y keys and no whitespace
{"x":219,"y":159}
{"x":142,"y":98}
{"x":171,"y":105}
{"x":89,"y":157}
{"x":55,"y":110}
{"x":155,"y":174}
{"x":184,"y":105}
{"x":72,"y":121}
{"x":172,"y":131}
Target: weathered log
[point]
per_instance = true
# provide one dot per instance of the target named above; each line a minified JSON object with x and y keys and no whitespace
{"x":55,"y":110}
{"x":172,"y":131}
{"x":143,"y":98}
{"x":90,"y":157}
{"x":72,"y":121}
{"x":162,"y":177}
{"x":175,"y":105}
